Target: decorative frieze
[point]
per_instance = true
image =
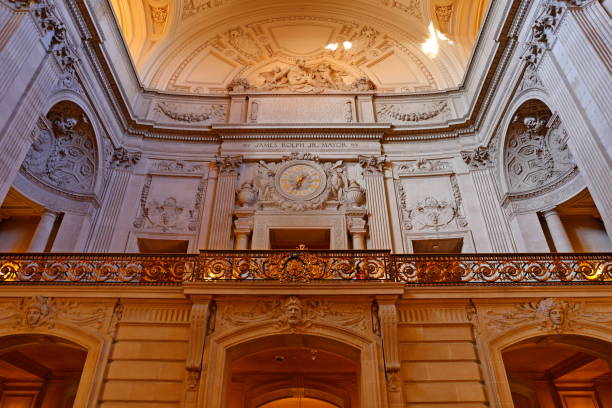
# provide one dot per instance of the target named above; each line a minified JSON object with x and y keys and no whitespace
{"x":396,"y":113}
{"x":179,"y":166}
{"x":212,"y":113}
{"x":424,"y":166}
{"x":40,"y":312}
{"x":301,"y":78}
{"x":54,"y":35}
{"x":549,"y":313}
{"x":294,"y":313}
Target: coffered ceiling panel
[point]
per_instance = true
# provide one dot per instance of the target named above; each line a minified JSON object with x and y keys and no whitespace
{"x":205,"y":46}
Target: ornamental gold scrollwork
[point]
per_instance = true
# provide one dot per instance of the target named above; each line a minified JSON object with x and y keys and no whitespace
{"x":304,"y":266}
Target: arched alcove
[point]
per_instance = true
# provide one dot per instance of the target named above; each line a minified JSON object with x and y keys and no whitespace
{"x":535,"y":151}
{"x":360,"y":380}
{"x":64,"y":154}
{"x":559,"y":370}
{"x":40,"y":371}
{"x":293,"y":367}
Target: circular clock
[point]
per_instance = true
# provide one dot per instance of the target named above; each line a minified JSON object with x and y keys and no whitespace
{"x":300,"y":180}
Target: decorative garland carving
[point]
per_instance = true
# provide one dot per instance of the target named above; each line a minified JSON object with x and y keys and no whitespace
{"x":212,"y":113}
{"x":168,"y":214}
{"x":423,"y":166}
{"x":431,"y":213}
{"x":393,"y":112}
{"x":54,"y":34}
{"x":64,"y":153}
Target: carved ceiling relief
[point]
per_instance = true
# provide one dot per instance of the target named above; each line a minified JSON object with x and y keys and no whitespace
{"x":429,"y":212}
{"x":301,"y":182}
{"x":410,"y":7}
{"x":64,"y":153}
{"x":265,"y":57}
{"x":171,"y":204}
{"x":536,"y":153}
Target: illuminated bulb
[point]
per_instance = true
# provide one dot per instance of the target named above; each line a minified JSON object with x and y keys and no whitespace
{"x":347,"y":45}
{"x":431,"y":45}
{"x":332,"y":46}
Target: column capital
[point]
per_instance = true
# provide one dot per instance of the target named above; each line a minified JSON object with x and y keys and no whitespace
{"x":373,"y":165}
{"x":228,"y":164}
{"x":477,"y":159}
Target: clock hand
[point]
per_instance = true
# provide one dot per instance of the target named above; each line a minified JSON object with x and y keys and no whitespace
{"x":299,"y":181}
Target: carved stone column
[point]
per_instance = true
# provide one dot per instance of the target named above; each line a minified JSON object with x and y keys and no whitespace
{"x":243,"y":226}
{"x":557,"y":231}
{"x":355,"y":220}
{"x":202,"y":323}
{"x":221,"y":225}
{"x":376,"y":199}
{"x":43,"y":231}
{"x":575,"y":73}
{"x":117,"y":181}
{"x":387,"y":315}
{"x":481,"y":171}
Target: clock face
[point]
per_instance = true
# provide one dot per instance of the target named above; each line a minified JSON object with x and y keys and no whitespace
{"x":301,"y":181}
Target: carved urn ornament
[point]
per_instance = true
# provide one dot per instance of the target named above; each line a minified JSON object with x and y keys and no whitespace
{"x":354,"y":196}
{"x":246,"y":196}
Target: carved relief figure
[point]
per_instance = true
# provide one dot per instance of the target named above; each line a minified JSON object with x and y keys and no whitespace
{"x":301,"y":182}
{"x":298,"y":77}
{"x":64,"y":154}
{"x":536,"y":151}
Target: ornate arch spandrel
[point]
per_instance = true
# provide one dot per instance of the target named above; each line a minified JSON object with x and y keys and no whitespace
{"x":500,"y":326}
{"x":90,"y":324}
{"x":212,"y":387}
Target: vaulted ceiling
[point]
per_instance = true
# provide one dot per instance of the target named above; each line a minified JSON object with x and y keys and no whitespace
{"x":201,"y":46}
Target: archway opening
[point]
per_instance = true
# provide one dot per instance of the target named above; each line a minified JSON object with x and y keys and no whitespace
{"x":39,"y":371}
{"x":298,"y":402}
{"x":560,"y":371}
{"x":293,"y":370}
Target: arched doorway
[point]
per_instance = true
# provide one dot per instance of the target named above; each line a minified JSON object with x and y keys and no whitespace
{"x":560,"y":371}
{"x":39,"y":371}
{"x":293,"y":370}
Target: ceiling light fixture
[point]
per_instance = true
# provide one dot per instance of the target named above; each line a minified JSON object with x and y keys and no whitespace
{"x":347,"y":45}
{"x":431,"y":46}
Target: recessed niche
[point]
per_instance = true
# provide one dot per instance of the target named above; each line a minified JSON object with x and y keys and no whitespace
{"x":292,"y":238}
{"x":434,"y":246}
{"x":162,"y":246}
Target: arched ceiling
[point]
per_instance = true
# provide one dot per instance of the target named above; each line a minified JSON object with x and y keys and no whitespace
{"x":201,"y":46}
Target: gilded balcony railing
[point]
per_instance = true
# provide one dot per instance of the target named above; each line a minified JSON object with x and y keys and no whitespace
{"x":305,"y":266}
